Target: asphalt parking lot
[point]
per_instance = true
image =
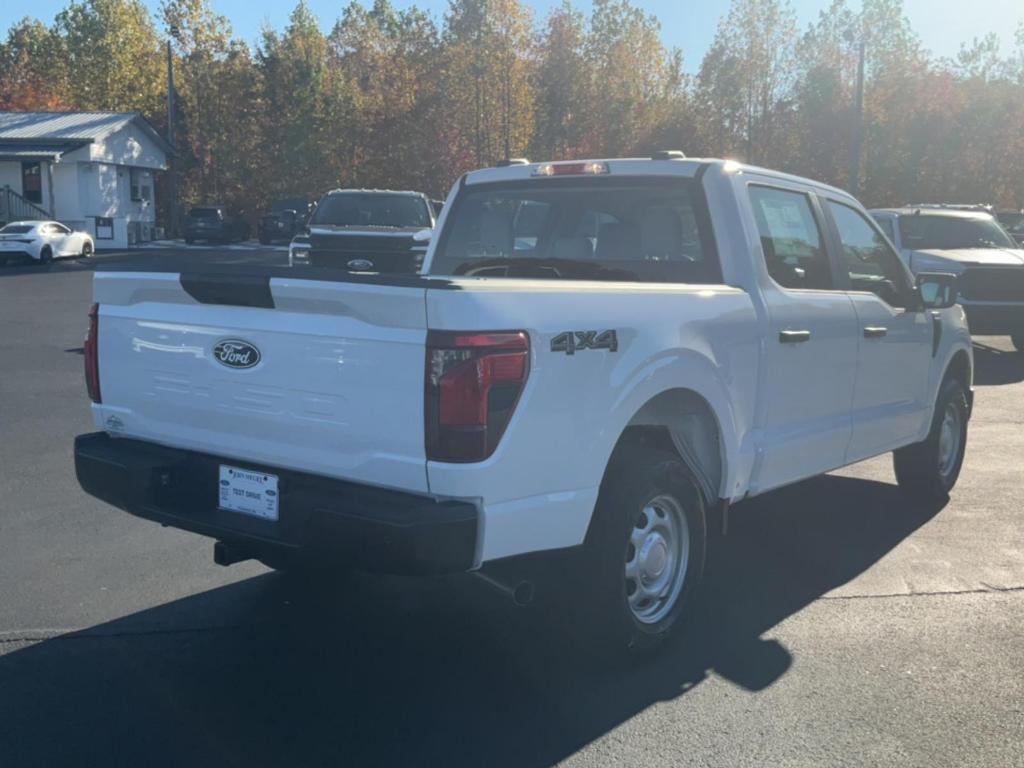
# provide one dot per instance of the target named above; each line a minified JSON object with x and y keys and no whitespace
{"x":838,"y":627}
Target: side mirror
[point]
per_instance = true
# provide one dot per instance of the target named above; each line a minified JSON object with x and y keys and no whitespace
{"x":423,"y":236}
{"x":938,"y":290}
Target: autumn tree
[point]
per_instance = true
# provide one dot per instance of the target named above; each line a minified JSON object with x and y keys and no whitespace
{"x":387,"y":62}
{"x":487,"y":71}
{"x":112,"y":56}
{"x":33,"y":71}
{"x":745,"y":76}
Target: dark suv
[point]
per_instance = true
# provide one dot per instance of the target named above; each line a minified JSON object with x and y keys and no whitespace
{"x":285,"y":219}
{"x":214,"y":223}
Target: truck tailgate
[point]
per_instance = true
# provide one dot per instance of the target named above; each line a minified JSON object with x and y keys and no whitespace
{"x":325,"y":377}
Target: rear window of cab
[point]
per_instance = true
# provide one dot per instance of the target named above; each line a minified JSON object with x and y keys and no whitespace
{"x":653,"y":229}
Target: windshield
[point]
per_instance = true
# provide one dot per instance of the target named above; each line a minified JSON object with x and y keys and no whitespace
{"x":372,"y":209}
{"x":16,"y":229}
{"x":920,"y":233}
{"x":1013,"y":222}
{"x":204,"y":213}
{"x":295,"y":204}
{"x":604,"y":228}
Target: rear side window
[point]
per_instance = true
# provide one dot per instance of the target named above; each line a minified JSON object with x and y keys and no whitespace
{"x":204,"y":213}
{"x":632,"y":229}
{"x":794,"y":251}
{"x":16,"y":229}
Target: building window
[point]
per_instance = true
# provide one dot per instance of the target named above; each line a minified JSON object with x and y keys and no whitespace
{"x":32,"y":181}
{"x":142,"y":185}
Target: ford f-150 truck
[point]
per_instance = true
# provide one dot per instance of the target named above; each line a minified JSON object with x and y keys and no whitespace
{"x":595,"y":361}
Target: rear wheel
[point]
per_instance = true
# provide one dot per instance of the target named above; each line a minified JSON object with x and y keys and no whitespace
{"x":1018,"y":340}
{"x":645,"y":551}
{"x":928,"y":470}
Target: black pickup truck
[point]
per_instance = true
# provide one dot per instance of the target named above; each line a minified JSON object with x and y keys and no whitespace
{"x":284,"y":220}
{"x":362,"y":230}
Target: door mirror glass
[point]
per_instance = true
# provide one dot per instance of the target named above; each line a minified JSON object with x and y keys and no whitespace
{"x":938,"y":290}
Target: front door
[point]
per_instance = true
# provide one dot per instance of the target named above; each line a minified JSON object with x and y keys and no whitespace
{"x":810,"y":352}
{"x":889,"y":401}
{"x":32,"y":181}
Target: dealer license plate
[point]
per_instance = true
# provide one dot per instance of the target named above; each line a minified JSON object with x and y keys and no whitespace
{"x":248,"y":492}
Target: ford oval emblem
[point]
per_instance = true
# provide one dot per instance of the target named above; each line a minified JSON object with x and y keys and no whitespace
{"x":360,"y":265}
{"x":235,"y":353}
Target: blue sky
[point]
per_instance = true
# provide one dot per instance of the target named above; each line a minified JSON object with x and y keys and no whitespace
{"x":688,"y":24}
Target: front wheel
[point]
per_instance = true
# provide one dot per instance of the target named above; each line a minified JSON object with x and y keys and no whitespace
{"x":46,"y":255}
{"x":1018,"y":340}
{"x":928,"y":470}
{"x":644,"y":553}
{"x":86,"y":250}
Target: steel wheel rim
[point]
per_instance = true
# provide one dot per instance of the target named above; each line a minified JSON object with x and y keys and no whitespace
{"x":949,"y":439}
{"x":657,"y":557}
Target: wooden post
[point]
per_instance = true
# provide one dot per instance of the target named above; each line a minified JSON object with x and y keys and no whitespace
{"x":49,"y":184}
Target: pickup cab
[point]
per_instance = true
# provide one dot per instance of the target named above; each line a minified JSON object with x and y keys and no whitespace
{"x":597,"y":359}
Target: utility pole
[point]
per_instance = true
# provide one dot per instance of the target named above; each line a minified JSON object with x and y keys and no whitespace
{"x":858,"y":124}
{"x":172,"y":178}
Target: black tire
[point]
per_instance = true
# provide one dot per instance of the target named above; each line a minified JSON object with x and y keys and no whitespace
{"x":86,"y":249}
{"x":927,"y":471}
{"x":639,"y":480}
{"x":46,"y":255}
{"x":264,"y":239}
{"x":189,"y":240}
{"x":1018,"y":340}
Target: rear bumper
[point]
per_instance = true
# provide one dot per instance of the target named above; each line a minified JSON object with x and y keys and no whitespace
{"x":994,"y":318}
{"x":321,"y":519}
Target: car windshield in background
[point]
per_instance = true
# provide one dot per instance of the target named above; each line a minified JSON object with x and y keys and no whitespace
{"x":354,"y":209}
{"x":647,"y":230}
{"x":16,"y":229}
{"x":927,"y":232}
{"x":1013,"y":222}
{"x":297,"y":204}
{"x":204,"y":213}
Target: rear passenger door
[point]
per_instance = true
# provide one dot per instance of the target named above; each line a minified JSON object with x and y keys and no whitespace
{"x":895,"y":349}
{"x":810,"y":351}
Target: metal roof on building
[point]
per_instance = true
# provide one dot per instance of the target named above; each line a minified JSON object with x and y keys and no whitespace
{"x":24,"y":150}
{"x":81,"y":126}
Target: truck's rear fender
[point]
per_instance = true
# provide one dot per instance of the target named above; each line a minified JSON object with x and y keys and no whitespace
{"x":539,"y":488}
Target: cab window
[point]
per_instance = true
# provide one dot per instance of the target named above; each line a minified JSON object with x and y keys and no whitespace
{"x":790,"y":239}
{"x":868,"y":259}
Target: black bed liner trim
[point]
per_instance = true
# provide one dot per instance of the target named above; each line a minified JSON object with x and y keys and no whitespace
{"x":231,"y":290}
{"x":224,"y":274}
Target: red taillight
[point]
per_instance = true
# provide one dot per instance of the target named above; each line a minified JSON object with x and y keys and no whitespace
{"x":92,"y":358}
{"x":473,"y":382}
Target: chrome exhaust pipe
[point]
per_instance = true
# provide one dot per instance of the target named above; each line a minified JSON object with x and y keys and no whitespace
{"x":520,"y":592}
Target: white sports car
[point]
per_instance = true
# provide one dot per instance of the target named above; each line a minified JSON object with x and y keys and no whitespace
{"x":43,"y":241}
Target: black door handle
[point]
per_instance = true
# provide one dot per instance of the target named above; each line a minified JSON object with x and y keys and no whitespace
{"x":875,"y":332}
{"x":794,"y":337}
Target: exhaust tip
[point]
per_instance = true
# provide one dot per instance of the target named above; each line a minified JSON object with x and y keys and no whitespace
{"x":522,"y":594}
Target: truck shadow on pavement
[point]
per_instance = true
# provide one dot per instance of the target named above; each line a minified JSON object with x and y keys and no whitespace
{"x":439,"y":672}
{"x":994,"y":366}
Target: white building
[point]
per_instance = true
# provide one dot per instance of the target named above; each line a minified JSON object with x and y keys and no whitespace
{"x":91,"y":170}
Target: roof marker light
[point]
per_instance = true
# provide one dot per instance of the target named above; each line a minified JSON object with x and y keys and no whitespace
{"x":589,"y":168}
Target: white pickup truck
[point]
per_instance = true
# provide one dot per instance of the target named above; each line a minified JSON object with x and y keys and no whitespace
{"x":597,"y":359}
